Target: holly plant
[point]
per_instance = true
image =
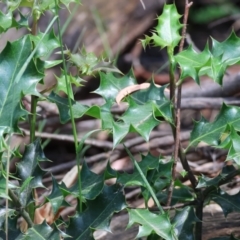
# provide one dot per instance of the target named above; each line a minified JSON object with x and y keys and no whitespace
{"x":23,"y":65}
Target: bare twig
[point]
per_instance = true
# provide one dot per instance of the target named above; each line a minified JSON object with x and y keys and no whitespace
{"x":177,"y":102}
{"x":67,"y":138}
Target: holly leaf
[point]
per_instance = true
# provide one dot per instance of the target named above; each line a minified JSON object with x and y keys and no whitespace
{"x":211,"y":132}
{"x":3,"y":185}
{"x":228,"y":50}
{"x":8,"y":21}
{"x":184,"y":222}
{"x":151,"y":223}
{"x":148,"y":162}
{"x":215,"y":69}
{"x":89,"y":63}
{"x":61,"y":83}
{"x":109,"y":172}
{"x":154,"y":94}
{"x":103,"y":112}
{"x":17,"y":80}
{"x":143,"y":124}
{"x":41,"y":232}
{"x":166,"y":33}
{"x":47,"y":43}
{"x":230,"y":141}
{"x":228,"y":203}
{"x":28,"y":168}
{"x":13,"y":231}
{"x":111,"y":85}
{"x":181,"y":193}
{"x":191,"y":62}
{"x":91,"y":184}
{"x":56,"y":197}
{"x":98,"y":213}
{"x":6,"y":212}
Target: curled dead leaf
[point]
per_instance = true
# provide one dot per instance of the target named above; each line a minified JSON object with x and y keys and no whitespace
{"x":133,"y":88}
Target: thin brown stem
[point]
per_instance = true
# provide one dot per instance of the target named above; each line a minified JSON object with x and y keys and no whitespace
{"x":177,"y":112}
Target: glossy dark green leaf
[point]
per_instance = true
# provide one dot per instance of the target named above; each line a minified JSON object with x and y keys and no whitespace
{"x":91,"y":184}
{"x":78,"y":109}
{"x":8,"y":21}
{"x":151,"y":223}
{"x":228,"y":50}
{"x":191,"y":62}
{"x":29,"y":167}
{"x":206,"y":181}
{"x":109,"y":172}
{"x":154,"y":94}
{"x":148,"y":162}
{"x":56,"y":197}
{"x":14,"y":79}
{"x":3,"y":214}
{"x":230,"y":141}
{"x":143,"y":124}
{"x":228,"y":203}
{"x":40,"y":232}
{"x":3,"y":185}
{"x":166,"y":33}
{"x":111,"y":85}
{"x":210,"y":132}
{"x":184,"y":222}
{"x":13,"y":230}
{"x":98,"y":213}
{"x":181,"y":193}
{"x":47,"y":44}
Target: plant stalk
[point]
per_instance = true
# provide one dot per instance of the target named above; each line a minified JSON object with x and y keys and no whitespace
{"x":34,"y":99}
{"x":21,"y":210}
{"x":69,"y":93}
{"x":176,"y":99}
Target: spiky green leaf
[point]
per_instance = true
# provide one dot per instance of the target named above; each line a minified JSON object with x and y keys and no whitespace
{"x":41,"y":232}
{"x":48,"y":43}
{"x":148,"y":162}
{"x":91,"y":184}
{"x":13,"y":84}
{"x":228,"y":203}
{"x":166,"y":33}
{"x":184,"y":222}
{"x":98,"y":213}
{"x":137,"y":118}
{"x":210,"y":132}
{"x":29,"y":167}
{"x":151,"y":223}
{"x":110,"y":85}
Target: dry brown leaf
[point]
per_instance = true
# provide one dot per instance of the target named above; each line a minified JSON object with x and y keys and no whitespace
{"x":133,"y":88}
{"x":127,"y":90}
